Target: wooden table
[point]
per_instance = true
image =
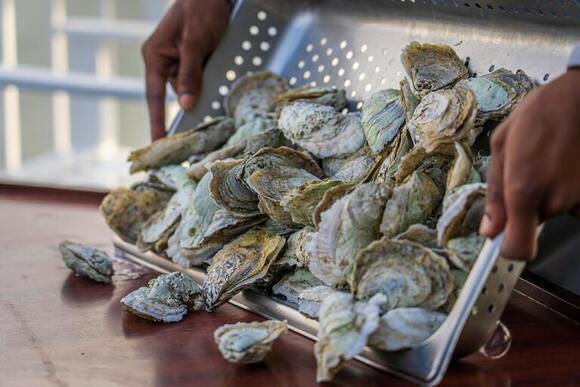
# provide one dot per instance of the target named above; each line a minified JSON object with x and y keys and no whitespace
{"x":63,"y":330}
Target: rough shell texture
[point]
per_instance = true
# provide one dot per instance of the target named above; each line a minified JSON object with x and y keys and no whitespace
{"x":329,"y":198}
{"x":401,"y":146}
{"x":321,"y":130}
{"x":310,"y":299}
{"x":412,"y":202}
{"x":462,"y":212}
{"x":239,"y":264}
{"x":482,"y":164}
{"x":403,"y":328}
{"x":407,"y":273}
{"x":87,"y":261}
{"x":345,"y":326}
{"x":251,"y":129}
{"x":301,"y":201}
{"x":357,"y":169}
{"x":228,"y":189}
{"x":463,"y":251}
{"x":248,"y":342}
{"x":349,"y":225}
{"x":253,"y":95}
{"x":462,"y":170}
{"x":167,"y":298}
{"x":409,"y":99}
{"x":288,"y":288}
{"x":126,"y":210}
{"x":445,"y":116}
{"x":335,"y":98}
{"x":421,"y":234}
{"x":170,"y":177}
{"x":179,"y":147}
{"x":382,"y":117}
{"x":432,"y":66}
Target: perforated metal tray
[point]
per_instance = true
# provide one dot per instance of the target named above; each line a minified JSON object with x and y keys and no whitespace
{"x":356,"y":45}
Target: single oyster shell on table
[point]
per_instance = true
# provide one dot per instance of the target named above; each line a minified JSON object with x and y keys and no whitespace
{"x":406,"y":273}
{"x":248,"y":342}
{"x":179,"y":147}
{"x":349,"y":225}
{"x":321,"y":130}
{"x":432,"y":67}
{"x":288,"y":288}
{"x":318,"y":95}
{"x":167,"y":298}
{"x":445,"y":116}
{"x":498,"y":93}
{"x":252,"y":96}
{"x":404,"y":328}
{"x":273,"y":172}
{"x":345,"y":326}
{"x":126,"y":210}
{"x":301,"y":201}
{"x":412,"y":202}
{"x":382,"y":117}
{"x":240,"y":263}
{"x":310,"y":299}
{"x":87,"y":261}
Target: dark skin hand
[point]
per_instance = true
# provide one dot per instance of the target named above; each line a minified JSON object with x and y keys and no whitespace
{"x":535,"y":170}
{"x":175,"y":53}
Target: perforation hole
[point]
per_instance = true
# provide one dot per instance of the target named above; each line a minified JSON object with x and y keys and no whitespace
{"x":347,"y":83}
{"x":246,"y":45}
{"x":491,"y":68}
{"x":484,"y":290}
{"x":340,"y":72}
{"x":257,"y":61}
{"x":344,"y":111}
{"x":307,"y":74}
{"x":262,"y":15}
{"x":292,"y":81}
{"x":309,"y":48}
{"x":383,"y":81}
{"x":215,"y":105}
{"x":254,"y":30}
{"x":231,"y":75}
{"x":361,"y":76}
{"x":326,"y":79}
{"x":353,"y":94}
{"x":272,"y":31}
{"x":546,"y":77}
{"x":371,"y":58}
{"x":207,"y":118}
{"x":491,"y":308}
{"x":334,"y":61}
{"x":313,"y":84}
{"x":301,"y":64}
{"x":349,"y":55}
{"x":323,"y":41}
{"x":315,"y":58}
{"x":223,"y":90}
{"x":364,"y":48}
{"x":239,"y":60}
{"x":368,"y":87}
{"x":510,"y":267}
{"x":385,"y":52}
{"x":321,"y":68}
{"x":500,"y":288}
{"x":329,"y":51}
{"x":355,"y":66}
{"x":359,"y":105}
{"x":343,"y":44}
{"x":377,"y":69}
{"x":264,"y":46}
{"x":494,"y":269}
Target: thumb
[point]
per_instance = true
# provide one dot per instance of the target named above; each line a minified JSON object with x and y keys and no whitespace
{"x":189,"y":75}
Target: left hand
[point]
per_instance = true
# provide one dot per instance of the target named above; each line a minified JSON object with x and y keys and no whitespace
{"x":535,"y":170}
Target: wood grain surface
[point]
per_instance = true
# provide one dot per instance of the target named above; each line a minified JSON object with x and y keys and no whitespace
{"x":63,"y":330}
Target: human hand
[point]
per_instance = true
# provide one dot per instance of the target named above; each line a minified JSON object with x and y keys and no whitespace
{"x":175,"y":52}
{"x":535,"y":168}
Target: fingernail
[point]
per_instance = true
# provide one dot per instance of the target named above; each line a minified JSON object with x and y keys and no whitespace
{"x":485,"y":228}
{"x":186,"y":101}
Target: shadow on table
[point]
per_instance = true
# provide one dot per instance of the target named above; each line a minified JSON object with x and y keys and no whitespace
{"x":78,"y":290}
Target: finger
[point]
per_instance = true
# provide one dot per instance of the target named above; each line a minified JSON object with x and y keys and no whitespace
{"x":522,"y":208}
{"x":189,"y":75}
{"x":156,"y":78}
{"x":494,"y":217}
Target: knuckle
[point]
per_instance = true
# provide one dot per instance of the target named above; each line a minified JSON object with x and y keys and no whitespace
{"x":524,"y":192}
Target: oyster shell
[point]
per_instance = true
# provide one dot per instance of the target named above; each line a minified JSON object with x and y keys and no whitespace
{"x":412,"y":202}
{"x":462,"y":212}
{"x":301,"y":201}
{"x":224,"y":226}
{"x":318,"y":95}
{"x":463,"y":251}
{"x":345,"y":326}
{"x":251,"y":129}
{"x":87,"y":261}
{"x":349,"y":225}
{"x":126,"y":210}
{"x":382,"y":118}
{"x":357,"y":169}
{"x":167,"y":298}
{"x":421,"y":234}
{"x":432,"y":67}
{"x":200,"y":168}
{"x":409,"y":99}
{"x":498,"y":93}
{"x":310,"y":299}
{"x":288,"y":288}
{"x":462,"y":170}
{"x":179,"y":147}
{"x":228,"y":189}
{"x":252,"y":96}
{"x":481,"y":164}
{"x":170,"y":177}
{"x":239,"y":264}
{"x":329,"y":198}
{"x":407,"y":273}
{"x":404,"y":328}
{"x":248,"y":342}
{"x":401,"y":146}
{"x":445,"y":116}
{"x":321,"y":130}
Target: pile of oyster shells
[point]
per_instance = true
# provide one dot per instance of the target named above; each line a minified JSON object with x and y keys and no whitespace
{"x":367,"y":221}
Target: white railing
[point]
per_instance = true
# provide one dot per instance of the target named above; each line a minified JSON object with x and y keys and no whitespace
{"x":63,"y":82}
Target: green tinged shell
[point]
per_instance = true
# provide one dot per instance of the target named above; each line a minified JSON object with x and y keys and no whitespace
{"x":301,"y":201}
{"x":382,"y":118}
{"x":87,"y":261}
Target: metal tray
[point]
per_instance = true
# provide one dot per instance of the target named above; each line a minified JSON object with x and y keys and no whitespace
{"x":356,"y":45}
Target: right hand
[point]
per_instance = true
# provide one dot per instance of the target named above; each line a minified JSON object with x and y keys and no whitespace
{"x":175,"y":53}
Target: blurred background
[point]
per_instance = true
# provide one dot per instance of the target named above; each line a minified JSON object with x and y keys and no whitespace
{"x":72,"y":99}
